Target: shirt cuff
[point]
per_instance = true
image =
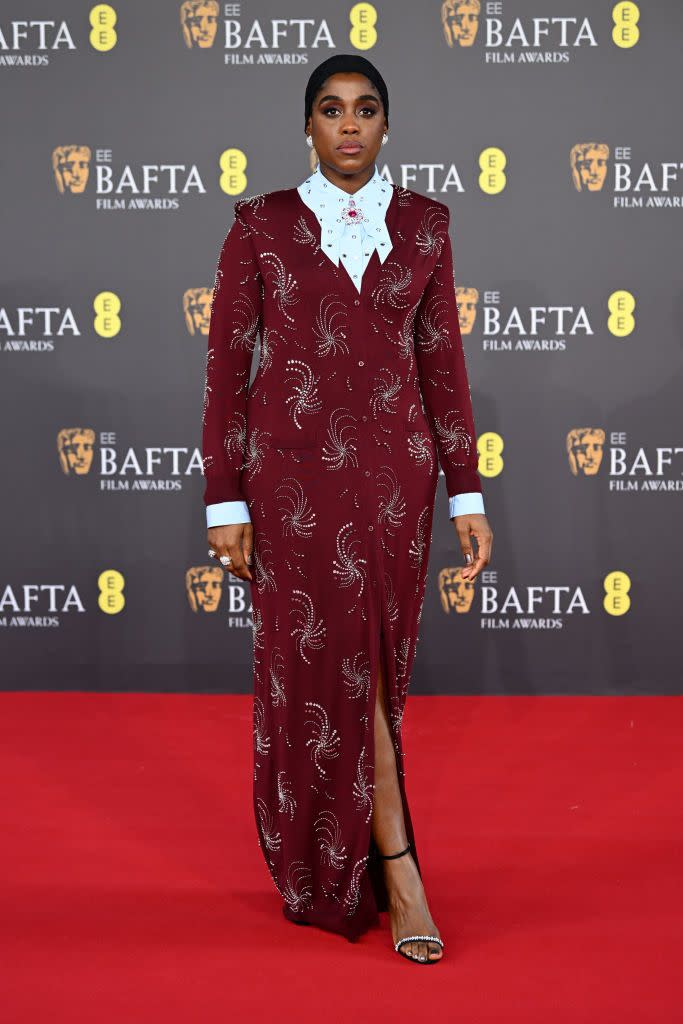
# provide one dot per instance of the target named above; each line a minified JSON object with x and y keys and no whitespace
{"x":227,"y":513}
{"x":466,"y":504}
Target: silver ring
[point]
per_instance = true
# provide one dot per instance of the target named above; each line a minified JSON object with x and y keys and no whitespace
{"x":212,"y":552}
{"x":225,"y":559}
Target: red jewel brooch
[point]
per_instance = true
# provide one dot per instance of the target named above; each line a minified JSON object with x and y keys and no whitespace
{"x":352,"y":214}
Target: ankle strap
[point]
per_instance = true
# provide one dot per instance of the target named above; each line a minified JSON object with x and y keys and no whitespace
{"x":391,"y":856}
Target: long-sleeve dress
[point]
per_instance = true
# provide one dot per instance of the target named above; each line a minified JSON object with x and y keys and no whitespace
{"x":334,"y":448}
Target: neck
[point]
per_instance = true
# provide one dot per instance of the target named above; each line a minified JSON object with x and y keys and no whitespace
{"x":347,"y":182}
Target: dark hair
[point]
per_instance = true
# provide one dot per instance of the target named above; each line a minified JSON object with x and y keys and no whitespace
{"x":344,"y":62}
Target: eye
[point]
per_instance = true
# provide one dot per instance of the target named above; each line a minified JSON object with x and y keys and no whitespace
{"x":333,"y":109}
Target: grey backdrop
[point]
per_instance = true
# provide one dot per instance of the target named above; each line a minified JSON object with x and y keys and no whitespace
{"x":542,"y":619}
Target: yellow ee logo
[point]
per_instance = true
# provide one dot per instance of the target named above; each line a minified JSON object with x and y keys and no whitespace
{"x":233,"y":163}
{"x":490,"y":447}
{"x":111,"y":584}
{"x":616,"y":600}
{"x":102,"y":34}
{"x":363,"y":18}
{"x":621,"y":320}
{"x":107,"y":321}
{"x":492,"y":179}
{"x":625,"y":33}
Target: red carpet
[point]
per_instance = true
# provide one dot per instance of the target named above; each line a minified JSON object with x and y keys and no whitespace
{"x":134,"y":891}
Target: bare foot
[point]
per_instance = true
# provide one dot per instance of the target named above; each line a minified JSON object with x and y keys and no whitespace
{"x":408,"y":910}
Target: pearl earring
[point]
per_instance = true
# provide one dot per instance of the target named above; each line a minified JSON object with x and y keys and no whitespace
{"x":309,"y":141}
{"x":385,"y":139}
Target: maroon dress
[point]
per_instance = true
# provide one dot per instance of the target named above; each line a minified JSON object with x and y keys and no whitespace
{"x":334,"y":447}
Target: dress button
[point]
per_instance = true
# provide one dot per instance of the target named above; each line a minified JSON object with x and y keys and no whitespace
{"x":367,"y":472}
{"x":361,"y":363}
{"x":356,"y":302}
{"x":365,"y":419}
{"x":371,"y":528}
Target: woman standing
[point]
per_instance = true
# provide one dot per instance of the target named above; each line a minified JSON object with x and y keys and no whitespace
{"x":322,"y":477}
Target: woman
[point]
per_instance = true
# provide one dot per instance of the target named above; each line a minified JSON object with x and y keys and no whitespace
{"x":325,"y":470}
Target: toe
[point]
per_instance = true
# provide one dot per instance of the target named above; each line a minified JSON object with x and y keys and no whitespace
{"x":434,"y":951}
{"x":422,"y":950}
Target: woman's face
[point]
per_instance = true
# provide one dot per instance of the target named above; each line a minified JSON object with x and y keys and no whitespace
{"x":347,"y":123}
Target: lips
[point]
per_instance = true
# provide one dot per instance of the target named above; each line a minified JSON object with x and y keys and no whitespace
{"x":350,"y":147}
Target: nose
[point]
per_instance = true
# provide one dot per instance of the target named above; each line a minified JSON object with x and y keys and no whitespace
{"x":349,"y":124}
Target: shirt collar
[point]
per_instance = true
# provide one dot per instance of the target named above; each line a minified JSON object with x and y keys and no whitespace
{"x":340,"y":213}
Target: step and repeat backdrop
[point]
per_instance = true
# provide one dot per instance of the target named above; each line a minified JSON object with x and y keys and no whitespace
{"x":552,"y":131}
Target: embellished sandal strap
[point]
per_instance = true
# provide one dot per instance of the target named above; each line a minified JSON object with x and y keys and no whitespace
{"x":418,"y":938}
{"x":392,"y":856}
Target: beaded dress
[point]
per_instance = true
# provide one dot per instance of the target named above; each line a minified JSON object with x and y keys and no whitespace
{"x":360,"y":394}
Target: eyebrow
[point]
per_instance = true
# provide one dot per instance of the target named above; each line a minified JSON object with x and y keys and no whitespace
{"x":364,"y":96}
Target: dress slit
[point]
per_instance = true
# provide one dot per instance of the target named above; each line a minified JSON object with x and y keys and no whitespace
{"x":375,"y":866}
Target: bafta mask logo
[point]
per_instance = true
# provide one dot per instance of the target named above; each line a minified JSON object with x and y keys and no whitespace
{"x":584,"y":448}
{"x":197,"y":309}
{"x":467,"y":299}
{"x":199,"y":21}
{"x":455,"y":592}
{"x":204,"y":586}
{"x":71,"y":166}
{"x":76,"y":446}
{"x":588,"y":161}
{"x":460,"y":21}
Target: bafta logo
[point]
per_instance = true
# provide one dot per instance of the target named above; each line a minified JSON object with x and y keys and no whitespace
{"x":204,"y":586}
{"x":454,"y":591}
{"x":584,"y":449}
{"x":460,"y":21}
{"x":467,"y":299}
{"x":197,"y":310}
{"x":588,"y":162}
{"x":71,"y":166}
{"x":199,"y":21}
{"x":76,"y":446}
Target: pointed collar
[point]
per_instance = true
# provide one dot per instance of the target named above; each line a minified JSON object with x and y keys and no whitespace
{"x":340,"y":213}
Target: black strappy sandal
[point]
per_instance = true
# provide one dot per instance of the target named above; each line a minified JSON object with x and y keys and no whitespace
{"x":412,"y":938}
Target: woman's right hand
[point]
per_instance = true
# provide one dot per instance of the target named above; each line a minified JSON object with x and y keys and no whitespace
{"x":236,"y":541}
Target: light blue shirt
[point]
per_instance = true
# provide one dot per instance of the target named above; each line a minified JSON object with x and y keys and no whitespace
{"x":351,"y":228}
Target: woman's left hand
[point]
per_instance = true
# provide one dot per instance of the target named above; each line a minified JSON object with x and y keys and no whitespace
{"x":475,"y":525}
